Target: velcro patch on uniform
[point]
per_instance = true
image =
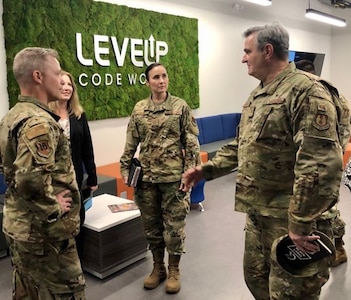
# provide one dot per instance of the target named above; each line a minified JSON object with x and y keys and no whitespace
{"x":43,"y":148}
{"x":322,"y":107}
{"x":36,"y":130}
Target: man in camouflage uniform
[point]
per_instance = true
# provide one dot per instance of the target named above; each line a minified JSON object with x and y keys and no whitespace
{"x":289,"y":160}
{"x":164,"y":128}
{"x":332,"y":214}
{"x":41,"y":212}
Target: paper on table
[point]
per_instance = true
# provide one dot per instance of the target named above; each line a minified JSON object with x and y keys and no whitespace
{"x":122,"y":207}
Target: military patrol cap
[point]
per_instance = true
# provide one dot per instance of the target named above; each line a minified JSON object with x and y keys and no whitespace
{"x":299,"y":263}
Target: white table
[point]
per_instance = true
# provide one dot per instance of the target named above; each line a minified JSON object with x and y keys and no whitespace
{"x":112,"y":241}
{"x":99,"y":217}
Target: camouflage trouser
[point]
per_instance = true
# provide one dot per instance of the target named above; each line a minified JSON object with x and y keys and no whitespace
{"x":264,"y":277}
{"x":49,"y":271}
{"x":163,"y":210}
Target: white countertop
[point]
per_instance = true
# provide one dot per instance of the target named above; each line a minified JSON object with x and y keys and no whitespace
{"x":99,"y":217}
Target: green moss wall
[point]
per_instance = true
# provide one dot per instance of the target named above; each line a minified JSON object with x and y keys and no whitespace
{"x":55,"y":24}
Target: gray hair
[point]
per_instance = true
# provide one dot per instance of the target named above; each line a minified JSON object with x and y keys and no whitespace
{"x":29,"y":59}
{"x":274,"y":34}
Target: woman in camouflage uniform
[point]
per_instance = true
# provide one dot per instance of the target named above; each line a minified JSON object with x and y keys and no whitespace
{"x":164,"y":128}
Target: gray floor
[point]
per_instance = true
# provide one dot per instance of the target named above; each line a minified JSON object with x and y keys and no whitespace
{"x":212,"y":267}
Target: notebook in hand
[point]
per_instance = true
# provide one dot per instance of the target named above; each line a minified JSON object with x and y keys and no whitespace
{"x":134,"y":173}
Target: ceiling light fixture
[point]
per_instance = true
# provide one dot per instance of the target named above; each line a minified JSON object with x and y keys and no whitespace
{"x":261,"y":2}
{"x":324,"y":17}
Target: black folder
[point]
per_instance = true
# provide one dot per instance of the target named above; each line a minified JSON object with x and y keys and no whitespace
{"x":135,"y":175}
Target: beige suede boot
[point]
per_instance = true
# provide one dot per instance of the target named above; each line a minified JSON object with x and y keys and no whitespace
{"x":340,"y":255}
{"x":158,"y":273}
{"x":173,"y":279}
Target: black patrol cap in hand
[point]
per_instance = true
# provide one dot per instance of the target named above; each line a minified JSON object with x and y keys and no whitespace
{"x":299,"y":263}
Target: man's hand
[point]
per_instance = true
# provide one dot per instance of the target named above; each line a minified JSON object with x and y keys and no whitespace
{"x":190,"y":178}
{"x":305,"y":242}
{"x":64,"y":200}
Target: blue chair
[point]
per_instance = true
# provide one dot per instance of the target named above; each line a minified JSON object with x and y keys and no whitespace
{"x":197,"y":194}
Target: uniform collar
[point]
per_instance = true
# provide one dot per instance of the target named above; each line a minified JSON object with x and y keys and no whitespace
{"x":271,"y":87}
{"x":35,"y":101}
{"x":165,"y":105}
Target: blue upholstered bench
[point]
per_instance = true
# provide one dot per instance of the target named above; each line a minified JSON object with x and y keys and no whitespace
{"x":216,"y":131}
{"x":3,"y":188}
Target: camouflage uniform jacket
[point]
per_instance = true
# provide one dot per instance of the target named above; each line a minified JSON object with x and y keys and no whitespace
{"x":167,"y":134}
{"x":287,"y":151}
{"x":344,"y":137}
{"x":35,"y":159}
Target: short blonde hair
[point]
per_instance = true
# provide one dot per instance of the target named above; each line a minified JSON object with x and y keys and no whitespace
{"x":28,"y":60}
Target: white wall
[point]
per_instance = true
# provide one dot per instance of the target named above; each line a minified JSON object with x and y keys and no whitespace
{"x":4,"y":100}
{"x":224,"y":83}
{"x":341,"y":64}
